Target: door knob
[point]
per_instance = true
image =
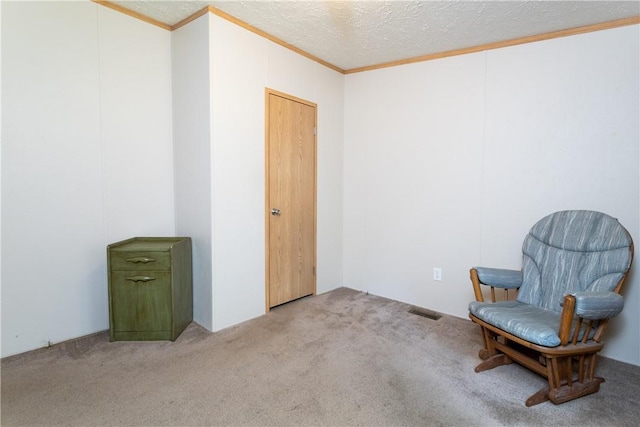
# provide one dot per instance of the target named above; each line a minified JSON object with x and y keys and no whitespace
{"x":275,"y":211}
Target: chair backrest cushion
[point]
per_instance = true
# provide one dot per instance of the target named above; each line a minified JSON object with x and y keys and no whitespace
{"x":573,"y":251}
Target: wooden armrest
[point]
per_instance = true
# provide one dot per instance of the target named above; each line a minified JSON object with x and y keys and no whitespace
{"x":475,"y":280}
{"x":568,"y":309}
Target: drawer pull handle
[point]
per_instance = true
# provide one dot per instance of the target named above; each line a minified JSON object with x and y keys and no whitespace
{"x":138,"y":259}
{"x":141,"y":278}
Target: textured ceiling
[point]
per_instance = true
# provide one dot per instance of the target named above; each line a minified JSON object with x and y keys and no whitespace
{"x":356,"y":33}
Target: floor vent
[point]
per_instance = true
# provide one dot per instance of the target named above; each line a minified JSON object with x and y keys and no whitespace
{"x":425,"y":313}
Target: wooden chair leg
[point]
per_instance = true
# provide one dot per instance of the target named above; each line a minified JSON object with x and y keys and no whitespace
{"x":493,"y":361}
{"x":568,"y":371}
{"x":540,"y":396}
{"x":489,"y":349}
{"x":581,"y":371}
{"x":555,"y":379}
{"x":592,"y":360}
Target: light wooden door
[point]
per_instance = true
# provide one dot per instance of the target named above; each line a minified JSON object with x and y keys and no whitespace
{"x":291,"y":198}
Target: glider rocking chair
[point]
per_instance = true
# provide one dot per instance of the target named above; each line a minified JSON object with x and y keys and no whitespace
{"x":574,"y":265}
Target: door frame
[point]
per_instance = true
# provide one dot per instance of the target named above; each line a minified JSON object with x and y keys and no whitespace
{"x":268,"y":93}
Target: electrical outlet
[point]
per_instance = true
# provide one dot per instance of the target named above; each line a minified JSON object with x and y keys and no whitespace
{"x":437,"y":273}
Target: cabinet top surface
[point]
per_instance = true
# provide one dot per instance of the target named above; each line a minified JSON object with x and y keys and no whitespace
{"x":146,"y":244}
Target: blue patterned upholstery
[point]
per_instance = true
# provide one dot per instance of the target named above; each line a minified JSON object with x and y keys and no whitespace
{"x":499,"y":277}
{"x":572,"y":251}
{"x":526,"y":321}
{"x":584,"y":253}
{"x":598,"y":305}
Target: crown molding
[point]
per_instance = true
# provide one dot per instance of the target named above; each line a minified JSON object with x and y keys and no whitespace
{"x":133,"y":14}
{"x":473,"y":49}
{"x":506,"y":43}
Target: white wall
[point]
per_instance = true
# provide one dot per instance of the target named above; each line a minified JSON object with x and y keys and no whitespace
{"x":192,"y":156}
{"x":411,"y":168}
{"x":136,"y":127}
{"x":448,"y":163}
{"x":86,"y":160}
{"x":243,"y":64}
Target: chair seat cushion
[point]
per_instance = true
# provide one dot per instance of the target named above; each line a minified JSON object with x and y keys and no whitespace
{"x":531,"y":323}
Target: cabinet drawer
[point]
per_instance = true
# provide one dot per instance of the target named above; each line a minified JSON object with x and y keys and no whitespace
{"x":149,"y":261}
{"x":141,"y":300}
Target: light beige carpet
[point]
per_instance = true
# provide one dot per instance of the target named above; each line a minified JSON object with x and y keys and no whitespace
{"x":338,"y":359}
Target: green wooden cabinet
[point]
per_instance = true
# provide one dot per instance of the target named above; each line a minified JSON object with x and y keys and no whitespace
{"x":150,"y":288}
